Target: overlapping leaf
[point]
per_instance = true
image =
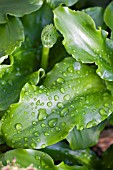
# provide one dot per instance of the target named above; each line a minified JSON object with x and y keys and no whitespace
{"x":72,"y":94}
{"x":39,"y":160}
{"x":85,"y":138}
{"x":11,"y":36}
{"x":17,"y":8}
{"x":107,"y":17}
{"x":83,"y":41}
{"x":14,"y":76}
{"x":62,"y":152}
{"x":54,"y":3}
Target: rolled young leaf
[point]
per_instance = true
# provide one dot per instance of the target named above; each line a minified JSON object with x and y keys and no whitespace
{"x":72,"y":95}
{"x":83,"y":41}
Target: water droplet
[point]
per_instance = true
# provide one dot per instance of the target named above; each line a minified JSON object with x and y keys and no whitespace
{"x":40,"y":91}
{"x":18,"y":126}
{"x":26,"y":139}
{"x":106,"y":105}
{"x":42,"y":162}
{"x":34,"y":122}
{"x":37,"y":157}
{"x":49,"y":98}
{"x":52,"y":123}
{"x":25,"y":112}
{"x":46,"y":134}
{"x":33,"y":114}
{"x":43,"y":146}
{"x":67,"y":97}
{"x":57,"y":128}
{"x":91,"y":123}
{"x":70,"y":69}
{"x":64,"y":74}
{"x":60,"y":105}
{"x":42,"y":114}
{"x":56,"y":97}
{"x":60,"y":80}
{"x":13,"y":141}
{"x":36,"y":133}
{"x":64,"y":112}
{"x":38,"y":102}
{"x":63,"y":124}
{"x":62,"y":90}
{"x":43,"y":125}
{"x":33,"y":145}
{"x":49,"y":104}
{"x":102,"y":112}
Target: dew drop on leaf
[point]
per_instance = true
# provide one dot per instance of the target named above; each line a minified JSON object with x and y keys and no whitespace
{"x":26,"y":139}
{"x":34,"y":122}
{"x":18,"y":126}
{"x":36,"y":134}
{"x":46,"y":134}
{"x":49,"y":104}
{"x":63,"y":124}
{"x":42,"y":114}
{"x":33,"y":145}
{"x":70,"y":69}
{"x":67,"y":97}
{"x":43,"y":125}
{"x":62,"y":90}
{"x":52,"y":123}
{"x":64,"y":112}
{"x":56,"y":97}
{"x":60,"y":80}
{"x":60,"y":105}
{"x":57,"y":128}
{"x":43,"y":146}
{"x":102,"y":112}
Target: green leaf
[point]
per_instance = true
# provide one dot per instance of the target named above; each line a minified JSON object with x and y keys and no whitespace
{"x":84,"y":138}
{"x":72,"y":94}
{"x":26,"y":157}
{"x":96,"y":13}
{"x":17,"y":8}
{"x":54,"y":3}
{"x":61,"y":152}
{"x":106,"y":160}
{"x":83,"y":41}
{"x":34,"y":23}
{"x":63,"y":166}
{"x":108,"y":14}
{"x":22,"y":64}
{"x":12,"y":35}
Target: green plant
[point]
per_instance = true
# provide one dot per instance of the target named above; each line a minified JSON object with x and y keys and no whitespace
{"x":56,"y":78}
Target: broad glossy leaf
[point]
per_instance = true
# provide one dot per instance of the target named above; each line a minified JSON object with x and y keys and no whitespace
{"x":11,"y":36}
{"x":96,"y":13}
{"x":63,"y":166}
{"x":108,"y":15}
{"x":17,"y":8}
{"x":54,"y":3}
{"x":22,"y":64}
{"x":72,"y":94}
{"x":84,"y":138}
{"x":83,"y":41}
{"x":62,"y":152}
{"x":26,"y":157}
